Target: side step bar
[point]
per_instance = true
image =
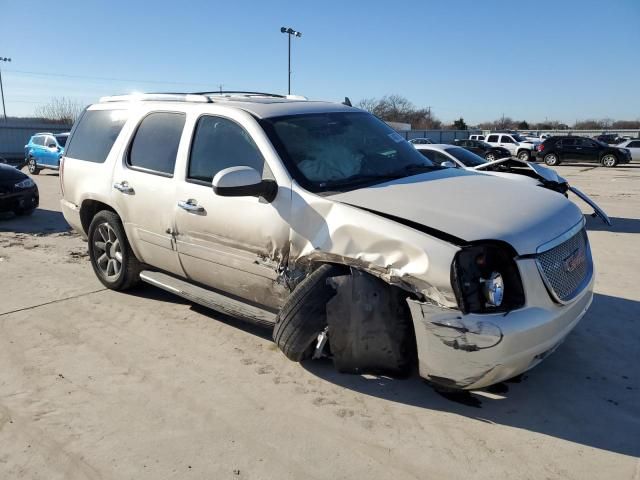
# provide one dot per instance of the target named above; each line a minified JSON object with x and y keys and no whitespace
{"x":209,"y":299}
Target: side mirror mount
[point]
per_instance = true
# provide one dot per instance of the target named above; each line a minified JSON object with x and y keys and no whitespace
{"x":448,"y":164}
{"x":243,"y":182}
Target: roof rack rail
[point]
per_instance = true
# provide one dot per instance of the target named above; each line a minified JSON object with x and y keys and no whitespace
{"x":163,"y":97}
{"x":240,"y":92}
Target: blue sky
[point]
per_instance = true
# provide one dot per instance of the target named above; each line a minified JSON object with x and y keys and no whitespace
{"x":564,"y":60}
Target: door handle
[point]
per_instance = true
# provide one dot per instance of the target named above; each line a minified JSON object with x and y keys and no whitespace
{"x":191,"y":206}
{"x":124,"y":187}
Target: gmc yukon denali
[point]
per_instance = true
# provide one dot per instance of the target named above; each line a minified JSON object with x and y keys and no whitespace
{"x":318,"y":220}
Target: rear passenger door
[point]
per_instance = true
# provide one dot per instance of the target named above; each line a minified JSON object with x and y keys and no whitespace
{"x":238,"y":245}
{"x":568,"y":150}
{"x":144,"y":188}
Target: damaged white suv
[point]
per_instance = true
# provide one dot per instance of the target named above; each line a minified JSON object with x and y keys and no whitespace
{"x":319,"y":220}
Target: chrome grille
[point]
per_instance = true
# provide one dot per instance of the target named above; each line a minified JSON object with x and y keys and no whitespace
{"x":567,"y":267}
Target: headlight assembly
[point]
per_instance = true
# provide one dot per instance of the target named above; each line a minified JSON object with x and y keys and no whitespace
{"x":486,"y":279}
{"x":26,"y":183}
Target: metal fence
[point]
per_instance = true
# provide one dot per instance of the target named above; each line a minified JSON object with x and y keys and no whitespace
{"x":13,"y":137}
{"x":439,"y":136}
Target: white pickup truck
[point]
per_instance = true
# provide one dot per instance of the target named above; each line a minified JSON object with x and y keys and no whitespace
{"x":516,"y":144}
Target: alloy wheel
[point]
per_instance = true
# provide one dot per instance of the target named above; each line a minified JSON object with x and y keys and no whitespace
{"x":609,"y":161}
{"x":108,"y":252}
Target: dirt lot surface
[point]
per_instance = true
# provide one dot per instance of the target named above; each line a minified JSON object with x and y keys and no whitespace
{"x":98,"y":384}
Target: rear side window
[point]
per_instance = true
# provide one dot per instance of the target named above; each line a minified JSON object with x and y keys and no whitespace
{"x":155,"y":145}
{"x":219,"y":143}
{"x":492,"y":138}
{"x":95,"y":134}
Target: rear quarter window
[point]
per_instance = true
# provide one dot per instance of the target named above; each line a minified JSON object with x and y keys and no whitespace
{"x":95,"y":134}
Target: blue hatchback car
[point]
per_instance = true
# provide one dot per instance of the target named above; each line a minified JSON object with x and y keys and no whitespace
{"x":44,"y":150}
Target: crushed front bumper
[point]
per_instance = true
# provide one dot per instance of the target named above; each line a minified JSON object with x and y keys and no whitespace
{"x":473,"y":351}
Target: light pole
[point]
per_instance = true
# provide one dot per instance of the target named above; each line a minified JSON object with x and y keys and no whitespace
{"x":290,"y":32}
{"x":4,"y":110}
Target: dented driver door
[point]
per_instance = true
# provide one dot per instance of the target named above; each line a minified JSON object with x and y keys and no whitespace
{"x":237,"y":245}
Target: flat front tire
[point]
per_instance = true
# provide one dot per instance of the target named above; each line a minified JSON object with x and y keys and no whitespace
{"x":304,"y":314}
{"x":112,"y":259}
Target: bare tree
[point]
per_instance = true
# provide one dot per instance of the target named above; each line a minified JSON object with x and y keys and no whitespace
{"x":396,"y":108}
{"x":60,"y":110}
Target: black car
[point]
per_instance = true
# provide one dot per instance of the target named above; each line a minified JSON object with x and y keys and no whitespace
{"x":483,"y":149}
{"x":18,"y":193}
{"x":609,"y":138}
{"x":555,"y":150}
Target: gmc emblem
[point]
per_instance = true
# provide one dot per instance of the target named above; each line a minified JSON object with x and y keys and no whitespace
{"x":575,"y":260}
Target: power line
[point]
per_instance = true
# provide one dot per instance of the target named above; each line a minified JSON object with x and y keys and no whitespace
{"x":107,"y":79}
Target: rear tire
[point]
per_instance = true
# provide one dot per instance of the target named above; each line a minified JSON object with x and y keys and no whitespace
{"x":552,"y":159}
{"x":304,"y":314}
{"x":490,"y":157}
{"x":32,"y":166}
{"x":112,"y":259}
{"x":609,"y":160}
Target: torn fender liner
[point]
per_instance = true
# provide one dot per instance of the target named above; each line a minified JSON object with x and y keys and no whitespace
{"x":449,"y":345}
{"x":370,"y":328}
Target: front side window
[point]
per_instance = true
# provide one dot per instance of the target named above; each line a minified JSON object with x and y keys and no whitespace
{"x":635,"y":144}
{"x":155,"y":145}
{"x":492,"y":138}
{"x":506,"y":139}
{"x":329,"y":151}
{"x":95,"y":134}
{"x":219,"y":143}
{"x":39,"y":140}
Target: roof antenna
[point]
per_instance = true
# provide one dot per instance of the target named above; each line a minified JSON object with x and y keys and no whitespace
{"x":347,"y":102}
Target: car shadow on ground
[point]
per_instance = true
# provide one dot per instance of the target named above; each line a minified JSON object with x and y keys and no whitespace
{"x":618,"y":225}
{"x":586,"y":392}
{"x":41,"y":221}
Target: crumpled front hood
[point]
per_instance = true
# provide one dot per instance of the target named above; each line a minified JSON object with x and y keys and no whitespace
{"x":472,"y":207}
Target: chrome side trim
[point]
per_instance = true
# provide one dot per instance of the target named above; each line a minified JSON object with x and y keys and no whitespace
{"x":561,"y":238}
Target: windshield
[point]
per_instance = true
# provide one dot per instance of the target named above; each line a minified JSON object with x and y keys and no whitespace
{"x":518,"y":138}
{"x":468,"y":158}
{"x":62,"y":140}
{"x":329,"y":151}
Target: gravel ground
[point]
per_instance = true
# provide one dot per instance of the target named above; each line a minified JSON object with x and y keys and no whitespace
{"x":98,"y":384}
